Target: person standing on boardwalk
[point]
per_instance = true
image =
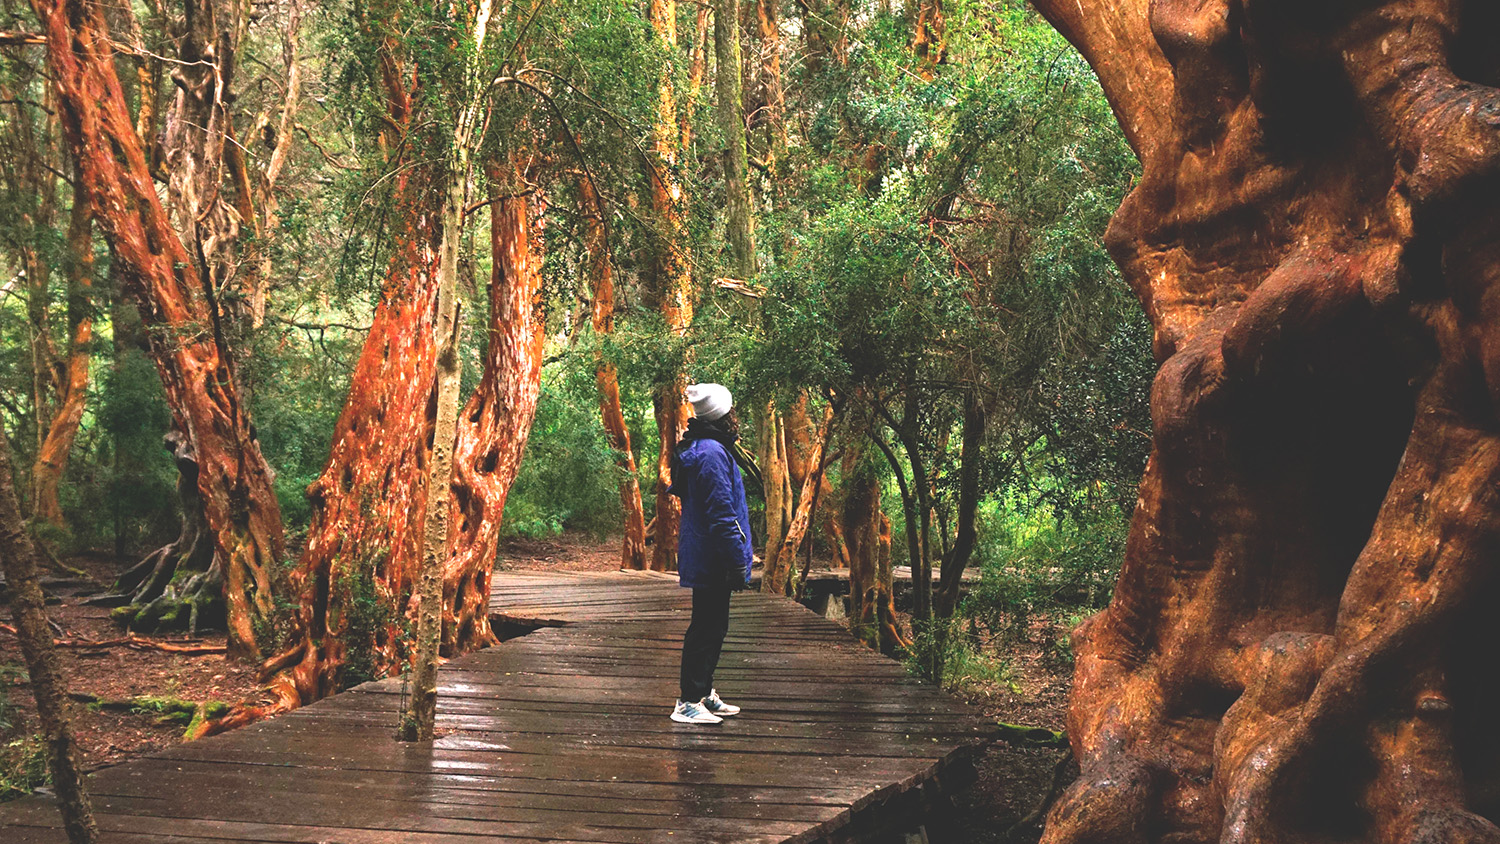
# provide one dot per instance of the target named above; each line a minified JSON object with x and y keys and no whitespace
{"x":713,"y":545}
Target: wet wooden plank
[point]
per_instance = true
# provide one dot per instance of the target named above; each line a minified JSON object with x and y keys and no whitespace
{"x":562,"y":735}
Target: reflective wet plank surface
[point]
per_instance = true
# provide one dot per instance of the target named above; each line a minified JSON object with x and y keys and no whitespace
{"x":562,"y":734}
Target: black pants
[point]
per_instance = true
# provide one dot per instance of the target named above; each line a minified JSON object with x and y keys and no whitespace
{"x":704,"y":641}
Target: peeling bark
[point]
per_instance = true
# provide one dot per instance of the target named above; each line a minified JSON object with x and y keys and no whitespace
{"x":354,"y":581}
{"x":177,"y":305}
{"x":1295,"y":648}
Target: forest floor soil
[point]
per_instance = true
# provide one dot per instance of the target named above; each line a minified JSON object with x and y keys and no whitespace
{"x":115,"y":671}
{"x":1030,"y":689}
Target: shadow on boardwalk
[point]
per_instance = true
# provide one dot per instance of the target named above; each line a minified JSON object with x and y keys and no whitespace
{"x":563,"y":735}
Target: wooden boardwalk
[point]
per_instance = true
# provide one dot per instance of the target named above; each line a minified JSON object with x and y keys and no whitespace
{"x":562,"y":735}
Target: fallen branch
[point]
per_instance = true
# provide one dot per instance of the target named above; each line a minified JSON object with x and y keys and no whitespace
{"x":1025,"y":735}
{"x":18,"y":39}
{"x":168,"y":710}
{"x":137,"y":642}
{"x":744,"y":288}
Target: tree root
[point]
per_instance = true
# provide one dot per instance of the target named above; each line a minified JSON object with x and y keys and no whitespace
{"x":135,"y":642}
{"x":180,"y":586}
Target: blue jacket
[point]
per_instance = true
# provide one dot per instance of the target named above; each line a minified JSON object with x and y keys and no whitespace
{"x":713,"y":543}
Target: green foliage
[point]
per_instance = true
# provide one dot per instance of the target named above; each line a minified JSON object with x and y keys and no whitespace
{"x":568,"y":478}
{"x":1040,"y":572}
{"x":297,"y":384}
{"x":368,"y":616}
{"x":133,"y":496}
{"x":951,"y":653}
{"x":12,"y":675}
{"x":23,"y":766}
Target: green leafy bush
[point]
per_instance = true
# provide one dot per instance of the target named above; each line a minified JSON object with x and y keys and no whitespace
{"x":568,"y":479}
{"x":1040,"y":571}
{"x":23,"y":766}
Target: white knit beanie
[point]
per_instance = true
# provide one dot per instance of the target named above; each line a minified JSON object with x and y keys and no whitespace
{"x":710,"y":401}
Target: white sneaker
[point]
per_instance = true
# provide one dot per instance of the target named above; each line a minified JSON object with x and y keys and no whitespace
{"x":715,"y":704}
{"x":692,"y":712}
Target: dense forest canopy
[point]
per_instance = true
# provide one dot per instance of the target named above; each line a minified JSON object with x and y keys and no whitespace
{"x":926,"y":228}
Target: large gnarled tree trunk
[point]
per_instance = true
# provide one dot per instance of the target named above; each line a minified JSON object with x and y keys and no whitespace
{"x":177,"y":305}
{"x":1297,"y":646}
{"x":496,"y":422}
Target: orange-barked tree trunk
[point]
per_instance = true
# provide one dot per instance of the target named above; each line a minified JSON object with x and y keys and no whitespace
{"x":674,"y":289}
{"x":781,"y":562}
{"x":495,"y":424}
{"x":1298,"y":647}
{"x":178,"y":308}
{"x":354,"y":581}
{"x":57,"y":445}
{"x":602,"y":280}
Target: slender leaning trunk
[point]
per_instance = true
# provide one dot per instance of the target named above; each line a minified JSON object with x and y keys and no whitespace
{"x":423,"y":715}
{"x":27,"y":607}
{"x":602,"y":279}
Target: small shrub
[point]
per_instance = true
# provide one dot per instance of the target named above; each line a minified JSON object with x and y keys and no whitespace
{"x":23,"y":766}
{"x":951,"y":654}
{"x":1038,"y":570}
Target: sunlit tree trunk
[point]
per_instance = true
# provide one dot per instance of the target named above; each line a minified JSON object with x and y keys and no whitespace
{"x":602,"y":282}
{"x":28,"y":609}
{"x":57,"y":445}
{"x":674,"y":289}
{"x":178,"y":306}
{"x":1297,"y":649}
